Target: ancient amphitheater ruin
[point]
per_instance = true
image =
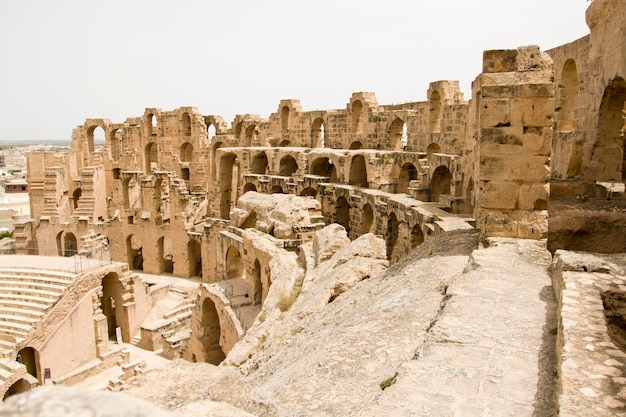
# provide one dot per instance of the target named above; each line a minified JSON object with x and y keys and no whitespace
{"x":454,"y":256}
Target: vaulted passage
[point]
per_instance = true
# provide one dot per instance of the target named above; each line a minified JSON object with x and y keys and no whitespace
{"x":608,"y":153}
{"x":408,"y":173}
{"x":134,"y":252}
{"x":229,"y":182}
{"x":259,"y":164}
{"x":440,"y":183}
{"x":29,"y":357}
{"x":111,"y":303}
{"x":367,"y":219}
{"x":211,"y":329}
{"x":342,"y":213}
{"x":358,"y":172}
{"x":288,"y":166}
{"x":194,"y":251}
{"x":166,"y":257}
{"x":234,"y":263}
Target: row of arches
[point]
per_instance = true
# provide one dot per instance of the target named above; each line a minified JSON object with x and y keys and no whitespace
{"x":165,"y":256}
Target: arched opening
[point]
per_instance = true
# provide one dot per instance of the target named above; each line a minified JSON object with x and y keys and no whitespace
{"x":357,"y":116}
{"x":186,"y":124}
{"x":355,"y":145}
{"x":234,"y":263}
{"x":367,"y":219}
{"x":436,"y":109}
{"x":70,"y":245}
{"x":126,"y":193}
{"x":184,"y":174}
{"x":433,"y":148}
{"x":318,"y":133}
{"x":258,"y":285}
{"x":211,"y":332}
{"x":284,"y":143}
{"x":259,"y":164}
{"x":250,"y":221}
{"x":287,"y":166}
{"x":111,"y":303}
{"x":214,"y":149}
{"x":408,"y":173}
{"x":405,"y":136}
{"x":249,"y":187}
{"x":134,"y":253}
{"x":229,"y":182}
{"x":321,"y":167}
{"x":59,"y":240}
{"x":277,"y":189}
{"x":152,"y":158}
{"x":440,"y":183}
{"x":29,"y":357}
{"x":396,"y":132}
{"x":417,"y":236}
{"x":392,"y":236}
{"x":116,"y":173}
{"x":342,"y":213}
{"x":19,"y":386}
{"x":161,"y":200}
{"x":609,"y":147}
{"x":166,"y":257}
{"x":238,"y":128}
{"x":115,"y":144}
{"x":195,"y":258}
{"x":186,"y":152}
{"x":308,"y":192}
{"x":358,"y":172}
{"x":76,"y":196}
{"x":211,"y":132}
{"x":284,"y":119}
{"x":250,"y":135}
{"x":152,"y":124}
{"x":95,"y":137}
{"x":566,"y":115}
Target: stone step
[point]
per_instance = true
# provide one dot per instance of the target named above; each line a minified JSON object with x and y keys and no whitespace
{"x":16,"y":319}
{"x":64,"y":282}
{"x":44,"y":301}
{"x":15,"y":329}
{"x":38,"y":272}
{"x":28,"y":286}
{"x":22,"y":310}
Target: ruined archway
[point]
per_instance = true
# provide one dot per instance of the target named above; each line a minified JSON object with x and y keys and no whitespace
{"x":355,"y":145}
{"x":165,"y":255}
{"x":194,"y":252}
{"x":151,"y":157}
{"x":417,"y":236}
{"x":436,"y":110}
{"x":95,"y":136}
{"x":284,"y":119}
{"x":211,"y":332}
{"x":19,"y":386}
{"x":318,"y":133}
{"x":321,"y":167}
{"x":396,"y":132}
{"x":250,"y":135}
{"x":288,"y":166}
{"x":408,"y":173}
{"x":229,"y":181}
{"x":151,"y":120}
{"x":342,"y":213}
{"x":29,"y":357}
{"x":258,"y":165}
{"x":367,"y":219}
{"x":75,"y":197}
{"x":134,"y":253}
{"x":186,"y":152}
{"x":70,"y":245}
{"x":392,"y":236}
{"x":440,"y":183}
{"x":112,"y":303}
{"x":433,"y":148}
{"x":608,"y":155}
{"x":277,"y":189}
{"x":249,"y":187}
{"x":357,"y":116}
{"x":308,"y":192}
{"x":233,"y":263}
{"x":211,"y":132}
{"x":115,"y":144}
{"x":567,"y":89}
{"x":358,"y":172}
{"x":186,"y":124}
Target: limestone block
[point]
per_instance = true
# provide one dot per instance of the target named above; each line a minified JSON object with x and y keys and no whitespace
{"x":495,"y":112}
{"x":532,"y":225}
{"x":532,"y":112}
{"x":500,"y":60}
{"x":496,"y":223}
{"x":510,"y":136}
{"x":530,"y":58}
{"x":497,"y":195}
{"x":521,"y":168}
{"x":533,"y":196}
{"x":529,"y":90}
{"x":328,"y":241}
{"x":538,"y":140}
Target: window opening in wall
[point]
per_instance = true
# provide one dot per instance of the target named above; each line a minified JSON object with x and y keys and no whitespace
{"x":211,"y":132}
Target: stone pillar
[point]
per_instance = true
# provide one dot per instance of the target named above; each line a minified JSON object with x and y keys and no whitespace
{"x":515,"y":95}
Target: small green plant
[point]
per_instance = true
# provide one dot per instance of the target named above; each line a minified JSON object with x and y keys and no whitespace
{"x":285,"y":301}
{"x":387,"y":383}
{"x":263,"y":339}
{"x":262,"y":317}
{"x":5,"y":233}
{"x":554,"y":331}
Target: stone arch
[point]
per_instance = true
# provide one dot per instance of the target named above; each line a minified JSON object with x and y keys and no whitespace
{"x":287,"y":166}
{"x":393,"y":226}
{"x":355,"y":145}
{"x":433,"y":148}
{"x":211,"y":132}
{"x":59,"y":240}
{"x":115,"y":144}
{"x":417,"y":236}
{"x":19,"y":386}
{"x":257,"y":292}
{"x":284,"y":119}
{"x":435,"y":113}
{"x":249,"y":187}
{"x":151,"y":122}
{"x":566,"y":115}
{"x":608,"y":153}
{"x":342,"y":213}
{"x":70,"y":245}
{"x":277,"y":189}
{"x":185,"y":174}
{"x":408,"y":173}
{"x":126,"y":193}
{"x":95,"y":136}
{"x":165,"y":255}
{"x":397,"y":129}
{"x":134,"y":252}
{"x":111,"y":302}
{"x":211,"y":333}
{"x":440,"y":183}
{"x":29,"y":357}
{"x":318,"y":133}
{"x":194,"y":252}
{"x":308,"y":192}
{"x":238,"y":128}
{"x":185,"y":124}
{"x":233,"y":264}
{"x":321,"y":167}
{"x":229,"y":181}
{"x":186,"y":152}
{"x":116,"y":172}
{"x":78,"y":192}
{"x":357,"y":116}
{"x":214,"y":149}
{"x":367,"y":219}
{"x":250,"y":135}
{"x":151,"y":156}
{"x":258,"y":165}
{"x":358,"y":172}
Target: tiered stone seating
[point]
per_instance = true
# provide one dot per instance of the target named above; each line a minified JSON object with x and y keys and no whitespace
{"x":26,"y":294}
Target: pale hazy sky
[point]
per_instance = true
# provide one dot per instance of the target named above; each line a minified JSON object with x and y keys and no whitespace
{"x":63,"y":61}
